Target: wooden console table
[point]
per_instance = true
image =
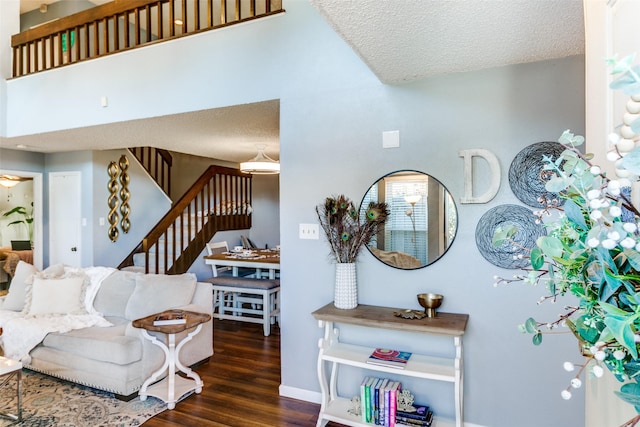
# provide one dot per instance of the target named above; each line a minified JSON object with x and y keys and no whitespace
{"x":331,"y":351}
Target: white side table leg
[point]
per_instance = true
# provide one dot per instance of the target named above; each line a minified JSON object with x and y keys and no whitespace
{"x":154,"y":377}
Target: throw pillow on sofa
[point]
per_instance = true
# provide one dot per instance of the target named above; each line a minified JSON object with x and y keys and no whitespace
{"x":56,"y":296}
{"x":18,"y":289}
{"x":158,"y":292}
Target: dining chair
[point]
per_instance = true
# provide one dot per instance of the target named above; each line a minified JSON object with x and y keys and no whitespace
{"x":222,"y":298}
{"x":214,"y":248}
{"x":247,"y":243}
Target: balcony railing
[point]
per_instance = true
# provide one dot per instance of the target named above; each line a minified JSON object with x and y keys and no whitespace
{"x":126,"y":24}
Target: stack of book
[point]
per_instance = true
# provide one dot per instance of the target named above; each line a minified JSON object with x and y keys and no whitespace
{"x":421,"y":417}
{"x":390,"y":358}
{"x":378,"y":399}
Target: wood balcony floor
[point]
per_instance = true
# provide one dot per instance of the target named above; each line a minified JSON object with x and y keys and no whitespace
{"x":240,"y":385}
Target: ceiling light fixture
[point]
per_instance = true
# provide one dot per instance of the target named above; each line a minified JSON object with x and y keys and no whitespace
{"x":261,"y":164}
{"x":8,"y":181}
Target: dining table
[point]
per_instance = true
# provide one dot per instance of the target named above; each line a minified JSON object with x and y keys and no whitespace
{"x":258,"y":259}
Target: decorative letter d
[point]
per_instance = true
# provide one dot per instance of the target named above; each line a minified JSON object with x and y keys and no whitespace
{"x":494,"y":169}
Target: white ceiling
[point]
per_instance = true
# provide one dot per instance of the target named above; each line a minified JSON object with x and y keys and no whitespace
{"x":401,"y":41}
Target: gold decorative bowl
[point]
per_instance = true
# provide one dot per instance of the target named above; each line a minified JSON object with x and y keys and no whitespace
{"x":430,"y":302}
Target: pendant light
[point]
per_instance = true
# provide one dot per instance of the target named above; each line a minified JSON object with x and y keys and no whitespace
{"x":260,"y":164}
{"x":8,"y":181}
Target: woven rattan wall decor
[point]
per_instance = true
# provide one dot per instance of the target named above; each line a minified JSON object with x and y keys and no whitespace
{"x":527,"y":177}
{"x":511,"y":254}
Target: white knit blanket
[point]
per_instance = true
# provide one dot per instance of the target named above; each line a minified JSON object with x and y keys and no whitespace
{"x":22,"y":333}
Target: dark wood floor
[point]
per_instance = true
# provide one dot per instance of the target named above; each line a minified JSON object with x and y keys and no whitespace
{"x":240,"y":385}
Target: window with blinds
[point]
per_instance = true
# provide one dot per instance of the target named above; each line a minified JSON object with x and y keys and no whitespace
{"x":406,"y":228}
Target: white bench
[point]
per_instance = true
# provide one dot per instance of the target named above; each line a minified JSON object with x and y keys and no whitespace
{"x":247,"y":299}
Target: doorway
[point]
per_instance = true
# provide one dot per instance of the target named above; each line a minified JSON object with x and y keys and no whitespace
{"x":64,"y":218}
{"x":37,"y":197}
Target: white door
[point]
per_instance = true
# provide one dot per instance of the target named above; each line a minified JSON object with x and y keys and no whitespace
{"x":64,"y":218}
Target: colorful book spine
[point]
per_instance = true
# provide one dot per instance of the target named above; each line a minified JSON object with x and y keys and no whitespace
{"x":375,"y":403}
{"x":393,"y":401}
{"x":363,"y":408}
{"x":367,"y":399}
{"x":387,"y":404}
{"x":381,"y":405}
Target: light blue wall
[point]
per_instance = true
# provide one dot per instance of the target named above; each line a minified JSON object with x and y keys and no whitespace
{"x":333,"y":112}
{"x":97,"y":248}
{"x":147,"y":202}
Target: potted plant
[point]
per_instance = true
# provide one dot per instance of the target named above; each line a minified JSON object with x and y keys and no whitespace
{"x":592,"y":251}
{"x":346,"y":234}
{"x":27,"y":219}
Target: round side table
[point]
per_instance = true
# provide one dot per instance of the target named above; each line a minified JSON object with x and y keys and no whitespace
{"x":173,"y":386}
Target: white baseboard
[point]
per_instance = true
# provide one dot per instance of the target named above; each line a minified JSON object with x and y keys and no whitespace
{"x":316,"y":397}
{"x":300,"y":394}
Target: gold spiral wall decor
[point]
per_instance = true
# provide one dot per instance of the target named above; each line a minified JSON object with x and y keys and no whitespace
{"x":112,"y":201}
{"x":125,"y":210}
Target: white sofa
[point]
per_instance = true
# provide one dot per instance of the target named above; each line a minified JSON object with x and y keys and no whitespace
{"x":114,"y":358}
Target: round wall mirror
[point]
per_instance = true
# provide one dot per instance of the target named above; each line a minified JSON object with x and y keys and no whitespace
{"x":422,"y":223}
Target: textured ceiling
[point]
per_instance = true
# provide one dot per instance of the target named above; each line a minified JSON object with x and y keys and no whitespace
{"x":229,"y":134}
{"x":400,"y":40}
{"x":405,"y":40}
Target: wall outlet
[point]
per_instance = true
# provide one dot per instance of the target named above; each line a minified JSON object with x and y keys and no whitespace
{"x":309,"y":231}
{"x":101,"y":221}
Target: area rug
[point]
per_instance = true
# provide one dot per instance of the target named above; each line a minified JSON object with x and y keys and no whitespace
{"x":48,"y":402}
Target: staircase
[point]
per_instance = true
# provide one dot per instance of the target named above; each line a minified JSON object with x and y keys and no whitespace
{"x":157,"y":162}
{"x":219,"y":200}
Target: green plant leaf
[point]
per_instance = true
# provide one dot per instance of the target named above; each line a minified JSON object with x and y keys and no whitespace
{"x":501,"y":235}
{"x":21,"y":210}
{"x":537,"y":258}
{"x":630,"y":393}
{"x":612,"y":310}
{"x":586,"y":333}
{"x":632,"y":368}
{"x":558,"y":184}
{"x":537,"y":339}
{"x":621,"y":330}
{"x":622,"y":65}
{"x":631,"y":161}
{"x":574,"y":213}
{"x":531,"y":326}
{"x":551,"y":246}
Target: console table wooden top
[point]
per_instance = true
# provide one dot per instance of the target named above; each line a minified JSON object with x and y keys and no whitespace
{"x":450,"y":324}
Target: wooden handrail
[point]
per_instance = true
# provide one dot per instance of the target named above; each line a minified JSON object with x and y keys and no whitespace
{"x":122,"y":25}
{"x":220,"y":199}
{"x":78,"y":19}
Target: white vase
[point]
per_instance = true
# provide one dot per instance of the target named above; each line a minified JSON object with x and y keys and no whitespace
{"x":346,"y":287}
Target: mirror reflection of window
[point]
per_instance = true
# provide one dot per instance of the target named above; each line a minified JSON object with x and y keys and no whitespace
{"x":422,"y":222}
{"x":407,"y":229}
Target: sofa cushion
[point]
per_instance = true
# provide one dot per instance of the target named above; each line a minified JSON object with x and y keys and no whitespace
{"x":102,"y":344}
{"x":114,"y":293}
{"x":18,"y":289}
{"x":56,"y":296}
{"x":158,"y":292}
